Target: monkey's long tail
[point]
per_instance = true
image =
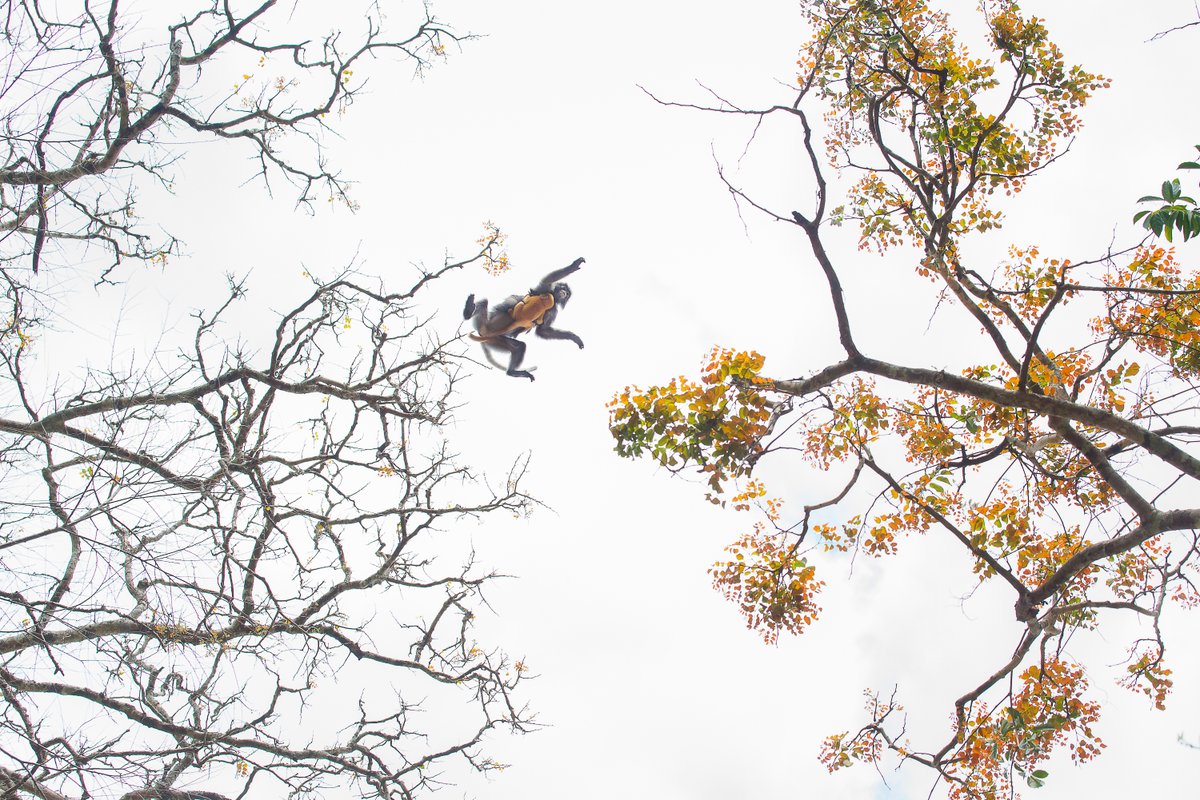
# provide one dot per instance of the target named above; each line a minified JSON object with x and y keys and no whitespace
{"x":487,"y":353}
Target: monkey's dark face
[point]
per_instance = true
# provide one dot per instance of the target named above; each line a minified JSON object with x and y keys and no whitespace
{"x":562,"y":293}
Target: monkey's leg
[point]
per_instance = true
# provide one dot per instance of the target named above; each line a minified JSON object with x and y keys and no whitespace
{"x":487,"y":353}
{"x":516,"y":351}
{"x":477,"y":310}
{"x":546,"y":332}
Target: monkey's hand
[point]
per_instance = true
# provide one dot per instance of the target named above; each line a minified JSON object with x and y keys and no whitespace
{"x":469,"y":308}
{"x":577,"y":341}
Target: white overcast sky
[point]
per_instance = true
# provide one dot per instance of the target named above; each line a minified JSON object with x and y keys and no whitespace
{"x":650,"y":687}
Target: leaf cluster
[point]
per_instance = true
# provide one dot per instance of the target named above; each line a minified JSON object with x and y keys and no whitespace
{"x":1178,"y":212}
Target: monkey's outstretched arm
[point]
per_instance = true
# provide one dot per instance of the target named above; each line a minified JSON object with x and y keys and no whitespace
{"x":557,"y":275}
{"x":546,"y":332}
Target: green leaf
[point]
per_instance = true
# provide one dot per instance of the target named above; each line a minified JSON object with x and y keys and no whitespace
{"x":1041,"y":774}
{"x":1149,"y":199}
{"x":1166,"y":191}
{"x":1189,"y":165}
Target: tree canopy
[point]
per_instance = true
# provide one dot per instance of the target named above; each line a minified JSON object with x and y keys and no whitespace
{"x":233,"y":565}
{"x":1061,"y":459}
